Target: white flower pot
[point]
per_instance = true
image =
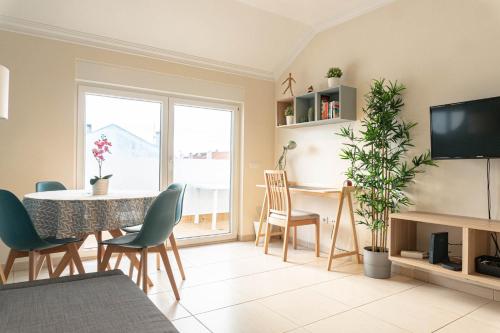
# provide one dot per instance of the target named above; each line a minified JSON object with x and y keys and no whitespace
{"x":333,"y":82}
{"x":100,"y":187}
{"x":289,"y":120}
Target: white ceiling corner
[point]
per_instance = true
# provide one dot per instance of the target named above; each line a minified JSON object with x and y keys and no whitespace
{"x":255,"y":38}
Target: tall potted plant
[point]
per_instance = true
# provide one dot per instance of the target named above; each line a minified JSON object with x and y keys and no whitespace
{"x":380,"y":168}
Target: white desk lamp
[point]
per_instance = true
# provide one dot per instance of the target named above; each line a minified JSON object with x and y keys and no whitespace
{"x":4,"y":92}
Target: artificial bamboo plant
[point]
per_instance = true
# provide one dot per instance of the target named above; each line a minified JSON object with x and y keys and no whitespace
{"x":380,"y":168}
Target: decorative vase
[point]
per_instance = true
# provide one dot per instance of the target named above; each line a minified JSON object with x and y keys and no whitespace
{"x":100,"y":187}
{"x":289,"y":120}
{"x":310,"y":114}
{"x":333,"y":82}
{"x":376,"y":264}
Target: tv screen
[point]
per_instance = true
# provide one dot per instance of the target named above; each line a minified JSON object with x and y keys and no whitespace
{"x":466,"y":130}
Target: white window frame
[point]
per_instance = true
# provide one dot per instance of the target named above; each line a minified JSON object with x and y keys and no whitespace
{"x":168,"y":102}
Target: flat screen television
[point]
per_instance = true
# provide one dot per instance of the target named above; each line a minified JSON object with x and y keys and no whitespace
{"x":466,"y":130}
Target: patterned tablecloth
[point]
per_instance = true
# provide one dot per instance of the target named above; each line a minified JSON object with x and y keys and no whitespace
{"x":63,"y":214}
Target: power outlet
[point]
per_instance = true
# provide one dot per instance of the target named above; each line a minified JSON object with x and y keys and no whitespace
{"x":328,"y":220}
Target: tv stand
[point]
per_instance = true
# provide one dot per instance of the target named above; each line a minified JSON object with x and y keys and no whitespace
{"x":475,"y":240}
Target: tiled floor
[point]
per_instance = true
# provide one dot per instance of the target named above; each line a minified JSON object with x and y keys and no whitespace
{"x":234,"y":287}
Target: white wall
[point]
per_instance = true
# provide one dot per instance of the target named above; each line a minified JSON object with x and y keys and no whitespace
{"x":443,"y":51}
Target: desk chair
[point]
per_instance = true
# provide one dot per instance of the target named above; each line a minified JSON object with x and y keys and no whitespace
{"x":19,"y":234}
{"x":46,"y":186}
{"x":49,"y":185}
{"x":157,"y":227}
{"x":171,"y":238}
{"x":280,"y":211}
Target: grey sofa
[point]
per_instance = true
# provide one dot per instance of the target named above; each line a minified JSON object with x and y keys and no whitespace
{"x":95,"y":302}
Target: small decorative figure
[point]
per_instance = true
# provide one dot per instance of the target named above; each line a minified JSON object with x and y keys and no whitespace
{"x":310,"y":89}
{"x":289,"y":81}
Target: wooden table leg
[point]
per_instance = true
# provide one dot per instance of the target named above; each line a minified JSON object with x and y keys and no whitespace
{"x":131,"y":256}
{"x":353,"y":225}
{"x":336,"y":229}
{"x":98,"y":238}
{"x":261,"y":219}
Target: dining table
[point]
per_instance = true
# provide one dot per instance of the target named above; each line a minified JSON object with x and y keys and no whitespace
{"x":78,"y":213}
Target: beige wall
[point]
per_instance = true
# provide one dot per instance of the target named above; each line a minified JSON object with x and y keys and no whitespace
{"x":38,"y":141}
{"x":443,"y":51}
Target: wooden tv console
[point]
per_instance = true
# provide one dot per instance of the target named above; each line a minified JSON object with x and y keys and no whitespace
{"x":475,"y":240}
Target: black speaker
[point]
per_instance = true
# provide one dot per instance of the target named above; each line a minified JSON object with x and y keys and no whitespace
{"x":438,"y":249}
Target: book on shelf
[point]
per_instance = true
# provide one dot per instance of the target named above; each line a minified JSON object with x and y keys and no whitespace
{"x":329,"y":109}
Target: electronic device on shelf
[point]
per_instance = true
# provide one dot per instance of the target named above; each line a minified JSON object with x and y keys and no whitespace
{"x":438,"y":248}
{"x":452,"y":266}
{"x":488,"y":265}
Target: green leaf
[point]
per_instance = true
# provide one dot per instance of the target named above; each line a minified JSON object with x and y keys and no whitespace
{"x":107,"y":176}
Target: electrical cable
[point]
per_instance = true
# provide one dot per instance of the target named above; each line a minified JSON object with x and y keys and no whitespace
{"x":493,"y":235}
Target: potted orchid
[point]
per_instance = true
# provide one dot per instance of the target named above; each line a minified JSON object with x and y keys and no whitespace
{"x":100,"y":183}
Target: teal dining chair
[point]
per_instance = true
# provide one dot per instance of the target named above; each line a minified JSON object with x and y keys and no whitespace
{"x":44,"y":186}
{"x":157,"y":227}
{"x":178,"y":216}
{"x":19,"y":234}
{"x":49,"y":185}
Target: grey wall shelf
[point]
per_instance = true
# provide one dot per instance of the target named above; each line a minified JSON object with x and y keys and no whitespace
{"x":345,"y":95}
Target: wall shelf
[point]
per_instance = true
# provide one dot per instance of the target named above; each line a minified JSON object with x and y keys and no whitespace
{"x":344,"y":95}
{"x":475,"y":242}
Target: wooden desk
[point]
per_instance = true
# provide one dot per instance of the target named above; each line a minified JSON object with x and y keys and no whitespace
{"x":341,"y":194}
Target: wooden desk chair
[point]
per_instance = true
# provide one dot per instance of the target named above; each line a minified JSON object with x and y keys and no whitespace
{"x":280,"y":211}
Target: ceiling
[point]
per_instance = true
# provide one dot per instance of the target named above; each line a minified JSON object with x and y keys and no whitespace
{"x":258,"y":38}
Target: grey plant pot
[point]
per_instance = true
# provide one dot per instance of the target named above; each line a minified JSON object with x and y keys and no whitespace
{"x":376,"y":264}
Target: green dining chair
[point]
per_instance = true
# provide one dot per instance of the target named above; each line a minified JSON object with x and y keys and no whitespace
{"x":45,"y":186}
{"x":157,"y":227}
{"x":178,"y":216}
{"x":19,"y":234}
{"x":49,"y":185}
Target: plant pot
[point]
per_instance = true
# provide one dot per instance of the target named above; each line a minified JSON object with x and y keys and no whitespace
{"x":100,"y":187}
{"x":376,"y":264}
{"x":289,"y":120}
{"x":333,"y":82}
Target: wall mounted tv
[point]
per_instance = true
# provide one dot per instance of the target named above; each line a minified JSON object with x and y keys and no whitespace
{"x":466,"y":130}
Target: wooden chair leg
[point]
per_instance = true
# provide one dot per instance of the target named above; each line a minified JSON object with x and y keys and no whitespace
{"x":76,"y":260}
{"x":71,"y":268}
{"x":32,"y":265}
{"x":118,"y":260}
{"x":168,"y":268}
{"x":105,"y":260}
{"x":144,"y":255}
{"x":285,"y":242}
{"x":39,"y":265}
{"x":10,"y":262}
{"x":157,"y":262}
{"x":294,"y":240}
{"x":3,"y":280}
{"x":139,"y":270}
{"x":267,"y":238}
{"x":50,"y":269}
{"x":317,"y":238}
{"x":131,"y":270}
{"x":175,"y":250}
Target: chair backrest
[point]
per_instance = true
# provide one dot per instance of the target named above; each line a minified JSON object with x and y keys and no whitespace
{"x":49,"y":186}
{"x":159,"y":221}
{"x":180,"y":202}
{"x":278,"y":194}
{"x":16,"y":228}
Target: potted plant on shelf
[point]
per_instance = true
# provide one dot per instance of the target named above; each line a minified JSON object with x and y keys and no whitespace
{"x":289,"y":115}
{"x":334,"y":74}
{"x":380,"y":168}
{"x":100,"y":183}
